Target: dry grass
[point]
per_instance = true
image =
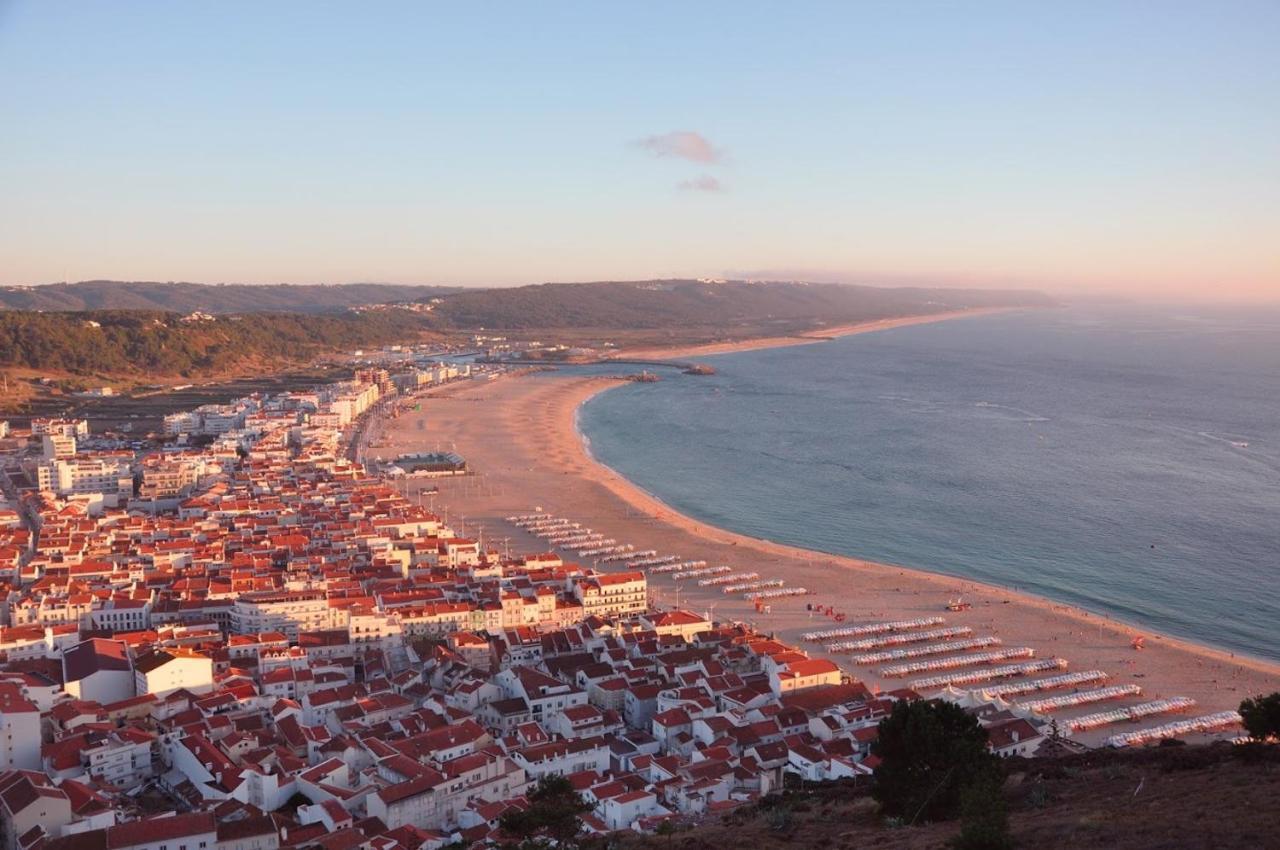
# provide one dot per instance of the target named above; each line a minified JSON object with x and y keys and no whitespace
{"x":1183,"y":798}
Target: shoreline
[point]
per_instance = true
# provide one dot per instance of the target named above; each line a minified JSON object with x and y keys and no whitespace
{"x":836,"y":332}
{"x":639,"y":497}
{"x":523,"y":439}
{"x":809,"y":337}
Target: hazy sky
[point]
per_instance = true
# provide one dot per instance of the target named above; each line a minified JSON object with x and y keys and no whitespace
{"x":1111,"y":146}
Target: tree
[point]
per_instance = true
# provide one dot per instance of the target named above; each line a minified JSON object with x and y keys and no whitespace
{"x":1261,"y":716}
{"x":298,"y":799}
{"x":929,"y":752}
{"x":984,"y":820}
{"x":553,"y":813}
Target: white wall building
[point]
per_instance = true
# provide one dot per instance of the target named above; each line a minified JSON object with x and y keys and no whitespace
{"x":161,"y":672}
{"x":19,"y":730}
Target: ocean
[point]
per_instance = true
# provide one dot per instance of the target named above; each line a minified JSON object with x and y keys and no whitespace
{"x":1123,"y":460}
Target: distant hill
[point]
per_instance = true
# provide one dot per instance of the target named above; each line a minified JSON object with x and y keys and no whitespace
{"x":617,"y":305}
{"x":139,"y":342}
{"x":687,"y":303}
{"x":148,"y":328}
{"x":209,"y":298}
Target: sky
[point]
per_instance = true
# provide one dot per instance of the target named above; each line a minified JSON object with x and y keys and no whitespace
{"x":1111,"y":148}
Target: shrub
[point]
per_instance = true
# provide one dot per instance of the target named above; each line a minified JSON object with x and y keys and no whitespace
{"x":1261,"y":716}
{"x":929,"y":752}
{"x":984,"y":819}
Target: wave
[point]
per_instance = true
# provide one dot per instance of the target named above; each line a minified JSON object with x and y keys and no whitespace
{"x":1025,"y":415}
{"x":1234,"y":440}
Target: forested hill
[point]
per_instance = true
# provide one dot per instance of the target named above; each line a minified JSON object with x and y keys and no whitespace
{"x":691,"y":303}
{"x":209,"y":298}
{"x":135,"y":343}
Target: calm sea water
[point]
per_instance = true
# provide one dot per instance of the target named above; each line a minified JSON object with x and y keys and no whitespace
{"x":1121,"y":460}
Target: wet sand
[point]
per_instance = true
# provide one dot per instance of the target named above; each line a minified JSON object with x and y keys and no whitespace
{"x":519,"y":436}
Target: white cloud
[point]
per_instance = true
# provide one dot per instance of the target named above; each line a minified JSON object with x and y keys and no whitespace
{"x":682,"y":144}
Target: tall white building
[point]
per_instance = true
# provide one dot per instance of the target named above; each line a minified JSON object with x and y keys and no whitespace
{"x":110,"y":476}
{"x":54,"y":446}
{"x":19,"y":730}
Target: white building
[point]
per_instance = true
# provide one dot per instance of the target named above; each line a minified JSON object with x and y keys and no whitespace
{"x":63,"y":427}
{"x":110,"y":476}
{"x":163,"y":671}
{"x":19,"y":730}
{"x":288,"y":612}
{"x":122,"y":615}
{"x":98,"y":669}
{"x":801,"y":674}
{"x":122,"y":758}
{"x":612,"y":594}
{"x":625,"y":809}
{"x":27,"y":801}
{"x":54,"y":446}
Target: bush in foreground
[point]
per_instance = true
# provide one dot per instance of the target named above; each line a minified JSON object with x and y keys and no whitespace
{"x":984,"y":818}
{"x":930,"y":752}
{"x":553,"y":818}
{"x":1261,"y":716}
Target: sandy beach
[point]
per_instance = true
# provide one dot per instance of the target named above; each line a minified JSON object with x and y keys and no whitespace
{"x":805,"y":338}
{"x":519,"y":436}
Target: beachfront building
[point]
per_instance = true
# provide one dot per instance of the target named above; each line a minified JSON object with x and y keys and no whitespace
{"x":686,"y":624}
{"x":613,"y":594}
{"x":349,"y":400}
{"x":801,"y":673}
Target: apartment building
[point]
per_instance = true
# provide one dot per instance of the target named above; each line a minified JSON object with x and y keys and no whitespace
{"x":284,"y":611}
{"x":60,"y":427}
{"x":108,"y":475}
{"x":612,"y":595}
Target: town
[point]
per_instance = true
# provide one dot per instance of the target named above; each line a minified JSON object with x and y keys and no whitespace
{"x":245,"y":635}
